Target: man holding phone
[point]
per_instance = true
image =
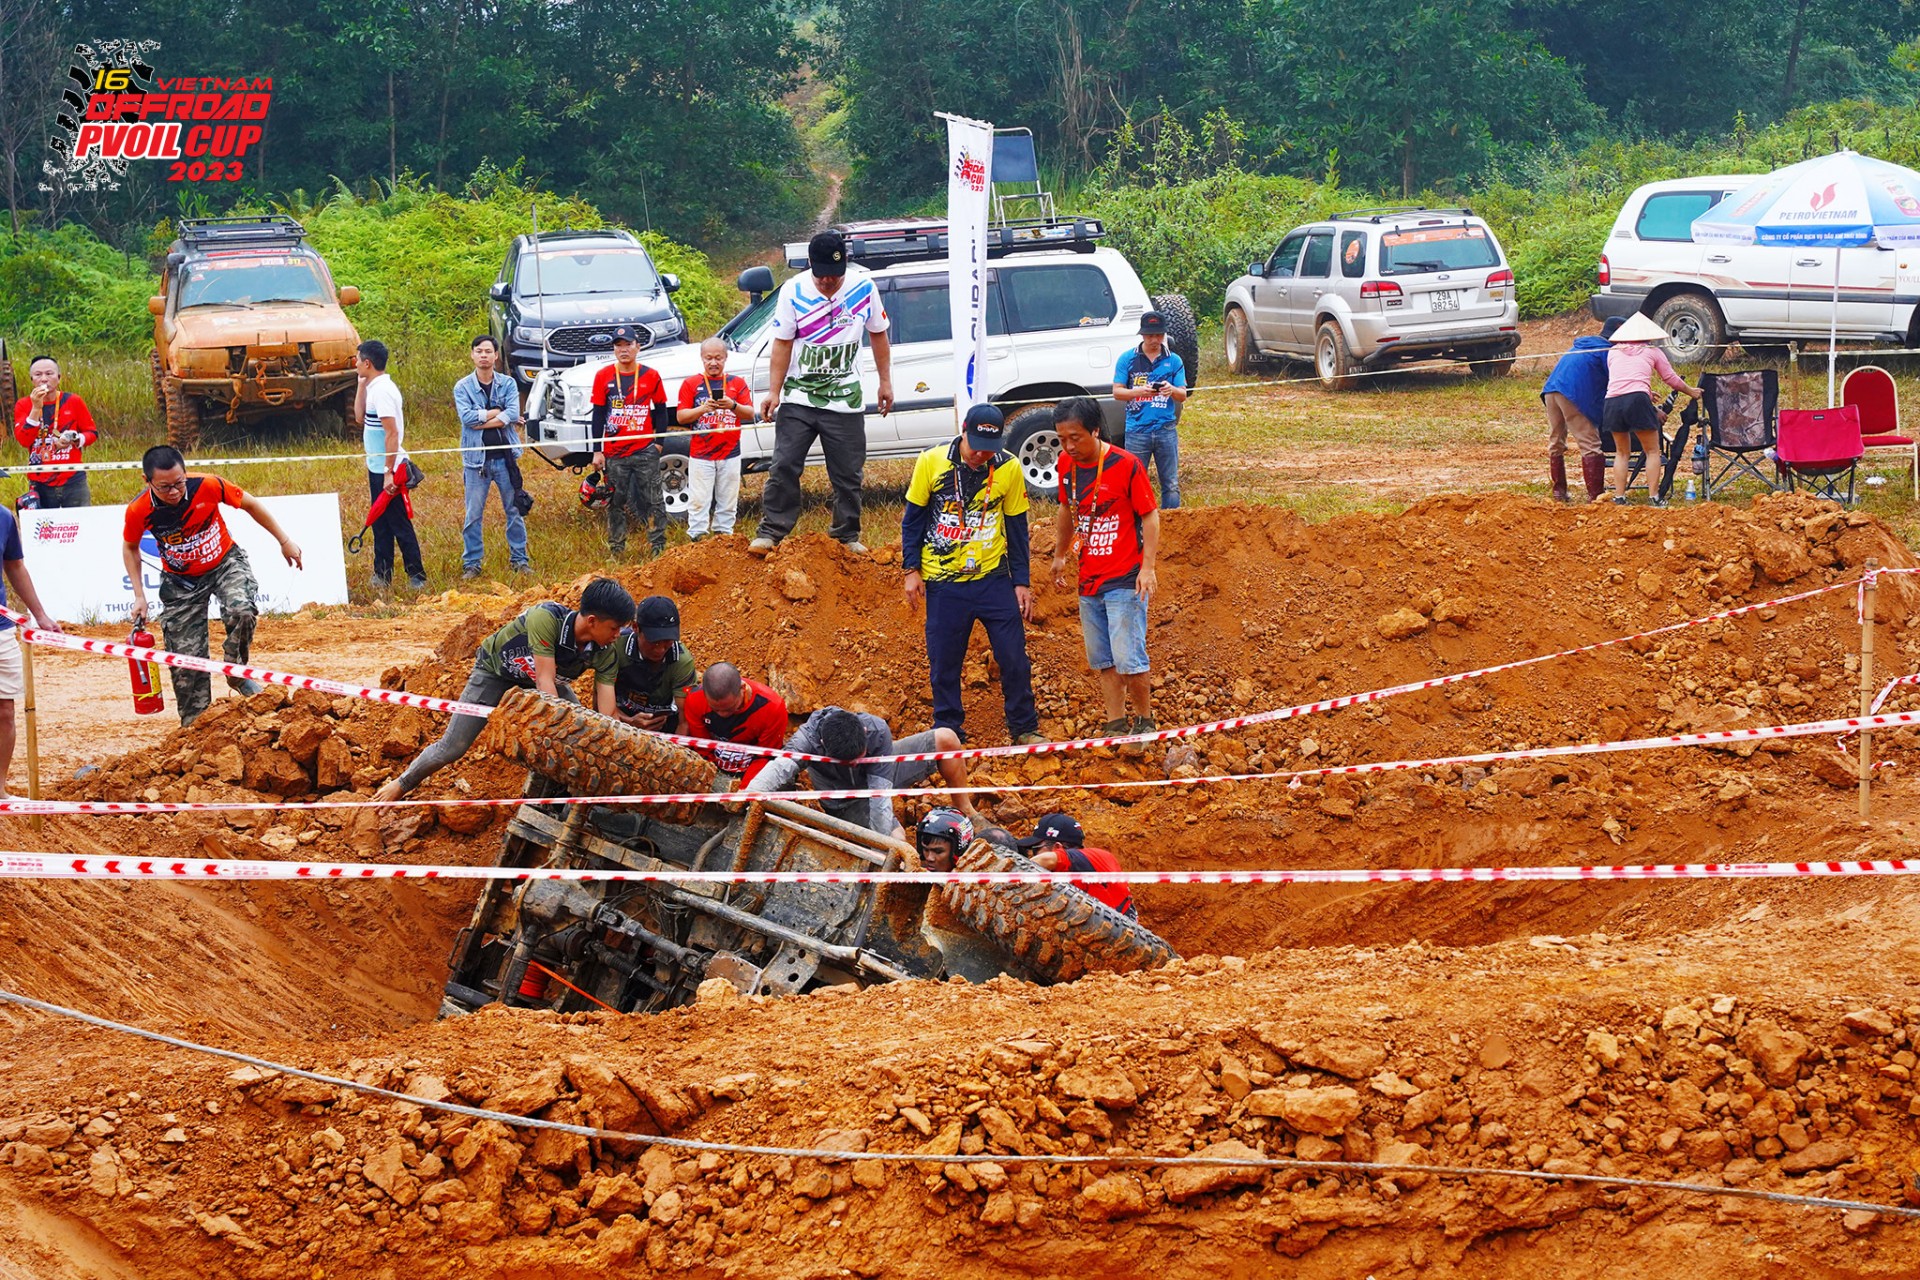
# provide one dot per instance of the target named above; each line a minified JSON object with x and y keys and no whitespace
{"x":656,"y":670}
{"x":1151,"y":380}
{"x":718,"y":403}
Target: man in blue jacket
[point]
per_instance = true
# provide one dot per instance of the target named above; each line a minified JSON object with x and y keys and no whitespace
{"x":1575,"y":394}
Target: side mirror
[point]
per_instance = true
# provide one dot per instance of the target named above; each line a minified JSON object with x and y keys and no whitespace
{"x":1256,"y":268}
{"x":670,"y":280}
{"x":755,"y":280}
{"x":500,"y":291}
{"x":157,"y":305}
{"x":349,"y":295}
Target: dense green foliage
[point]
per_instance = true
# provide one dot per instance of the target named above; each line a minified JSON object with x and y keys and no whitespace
{"x":64,"y":289}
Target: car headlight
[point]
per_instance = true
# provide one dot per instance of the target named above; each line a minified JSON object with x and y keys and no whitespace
{"x":579,"y":403}
{"x":521,"y":333}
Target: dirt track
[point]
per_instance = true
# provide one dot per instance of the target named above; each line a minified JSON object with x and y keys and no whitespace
{"x":1759,"y":1033}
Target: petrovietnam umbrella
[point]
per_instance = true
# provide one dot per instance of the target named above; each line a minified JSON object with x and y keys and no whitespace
{"x":1840,"y":201}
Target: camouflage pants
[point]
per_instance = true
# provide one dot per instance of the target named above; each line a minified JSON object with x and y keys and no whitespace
{"x":183,"y":626}
{"x":636,"y":491}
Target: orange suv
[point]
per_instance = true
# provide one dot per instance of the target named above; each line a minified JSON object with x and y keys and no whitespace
{"x":248,"y":324}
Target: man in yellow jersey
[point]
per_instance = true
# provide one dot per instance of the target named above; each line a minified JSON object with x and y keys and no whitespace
{"x":964,"y":546}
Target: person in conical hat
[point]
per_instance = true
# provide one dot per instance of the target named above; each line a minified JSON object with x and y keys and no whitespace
{"x":1630,"y":414}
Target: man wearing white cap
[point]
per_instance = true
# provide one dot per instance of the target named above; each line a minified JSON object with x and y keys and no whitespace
{"x":1630,"y":414}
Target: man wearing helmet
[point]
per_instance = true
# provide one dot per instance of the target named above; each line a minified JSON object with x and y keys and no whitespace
{"x":940,"y":838}
{"x":847,"y":739}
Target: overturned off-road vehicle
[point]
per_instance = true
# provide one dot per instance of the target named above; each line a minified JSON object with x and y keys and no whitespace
{"x":642,"y":946}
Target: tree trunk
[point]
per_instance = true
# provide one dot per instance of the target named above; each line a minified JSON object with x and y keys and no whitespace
{"x":446,"y":91}
{"x":1793,"y":55}
{"x":393,"y":137}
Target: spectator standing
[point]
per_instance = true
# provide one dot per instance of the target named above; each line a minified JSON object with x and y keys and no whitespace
{"x":715,"y":405}
{"x":199,"y":561}
{"x":1630,"y":415}
{"x":845,"y":737}
{"x":53,"y":426}
{"x":546,"y":648}
{"x":963,"y":543}
{"x":656,"y":669}
{"x":1058,"y":844}
{"x":12,"y":683}
{"x":383,"y":425}
{"x":625,"y":394}
{"x":1151,"y":380}
{"x":1575,"y":396}
{"x":729,"y":708}
{"x":489,"y":407}
{"x":1107,"y":517}
{"x":819,"y":316}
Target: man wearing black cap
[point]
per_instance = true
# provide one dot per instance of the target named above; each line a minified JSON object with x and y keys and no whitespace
{"x":963,"y":543}
{"x":625,"y":394}
{"x":656,"y":670}
{"x":1057,"y":844}
{"x":819,"y":316}
{"x":1151,"y":380}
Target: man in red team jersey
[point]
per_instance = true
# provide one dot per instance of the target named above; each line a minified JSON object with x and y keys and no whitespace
{"x":53,"y":426}
{"x":718,"y":404}
{"x":1058,"y":844}
{"x":727,"y":707}
{"x":198,"y":561}
{"x":624,"y":396}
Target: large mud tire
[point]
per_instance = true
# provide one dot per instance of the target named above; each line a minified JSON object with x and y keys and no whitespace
{"x":1183,"y":332}
{"x":589,"y":754}
{"x":1050,"y":932}
{"x":183,"y":417}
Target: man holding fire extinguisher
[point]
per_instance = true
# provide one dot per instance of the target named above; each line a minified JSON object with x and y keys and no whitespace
{"x":199,"y":560}
{"x":13,"y":562}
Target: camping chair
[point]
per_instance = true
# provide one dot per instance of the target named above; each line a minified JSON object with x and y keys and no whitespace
{"x":1016,"y":175}
{"x":1871,"y":390}
{"x":1740,"y":409}
{"x":1820,"y":446}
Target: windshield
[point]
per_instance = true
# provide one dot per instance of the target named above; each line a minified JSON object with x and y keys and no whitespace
{"x":601,"y":269}
{"x":1436,"y":249}
{"x":246,"y":282}
{"x":744,"y":331}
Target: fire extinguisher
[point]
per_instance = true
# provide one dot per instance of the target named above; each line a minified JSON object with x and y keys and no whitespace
{"x":145,"y":676}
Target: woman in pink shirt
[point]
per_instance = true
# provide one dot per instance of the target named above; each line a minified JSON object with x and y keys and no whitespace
{"x":1630,"y":414}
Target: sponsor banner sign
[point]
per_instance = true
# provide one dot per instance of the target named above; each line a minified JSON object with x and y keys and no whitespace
{"x":73,"y":554}
{"x":969,"y":192}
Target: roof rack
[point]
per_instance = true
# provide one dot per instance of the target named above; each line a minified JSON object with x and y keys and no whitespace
{"x":1391,"y":210}
{"x":269,"y":228}
{"x":927,"y":241}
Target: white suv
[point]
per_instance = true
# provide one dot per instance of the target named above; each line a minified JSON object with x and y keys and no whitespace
{"x":1707,"y":295}
{"x":1061,"y":312}
{"x":1377,"y":287}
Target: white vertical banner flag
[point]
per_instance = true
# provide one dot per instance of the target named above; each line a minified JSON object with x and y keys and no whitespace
{"x":969,"y":194}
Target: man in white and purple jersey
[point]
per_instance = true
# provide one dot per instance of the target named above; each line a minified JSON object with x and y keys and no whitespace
{"x":820,"y":316}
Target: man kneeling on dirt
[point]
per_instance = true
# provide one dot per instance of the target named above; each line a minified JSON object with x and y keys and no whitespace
{"x":846,"y":737}
{"x":545,"y":648}
{"x":728,"y":710}
{"x":1058,"y":844}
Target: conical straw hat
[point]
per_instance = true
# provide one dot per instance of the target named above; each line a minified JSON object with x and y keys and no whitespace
{"x":1639,"y":328}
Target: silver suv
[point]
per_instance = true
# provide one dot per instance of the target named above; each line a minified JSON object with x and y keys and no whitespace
{"x":1377,"y":287}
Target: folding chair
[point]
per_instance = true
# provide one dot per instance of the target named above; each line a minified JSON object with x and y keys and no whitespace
{"x":1016,"y":175}
{"x":1871,"y":390}
{"x":1820,"y":446}
{"x":1740,"y":409}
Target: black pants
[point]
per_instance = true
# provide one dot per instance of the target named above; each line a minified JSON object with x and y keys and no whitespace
{"x":843,"y":439}
{"x":952,"y":609}
{"x":74,"y":493}
{"x":393,"y":526}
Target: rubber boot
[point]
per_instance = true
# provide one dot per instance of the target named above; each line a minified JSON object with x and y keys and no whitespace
{"x":1557,"y":469}
{"x":1593,"y":470}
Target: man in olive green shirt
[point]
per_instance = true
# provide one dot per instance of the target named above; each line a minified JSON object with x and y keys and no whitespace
{"x":545,"y":648}
{"x":656,"y":669}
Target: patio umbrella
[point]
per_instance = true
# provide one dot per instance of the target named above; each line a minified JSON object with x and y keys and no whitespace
{"x":1840,"y":201}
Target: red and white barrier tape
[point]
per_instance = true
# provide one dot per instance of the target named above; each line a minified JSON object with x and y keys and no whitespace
{"x":62,"y":866}
{"x":1715,"y":738}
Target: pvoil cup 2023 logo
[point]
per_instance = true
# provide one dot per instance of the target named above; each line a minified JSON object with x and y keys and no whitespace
{"x":117,"y":109}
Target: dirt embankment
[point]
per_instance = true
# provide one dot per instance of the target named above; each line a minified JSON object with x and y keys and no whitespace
{"x":1668,"y":1029}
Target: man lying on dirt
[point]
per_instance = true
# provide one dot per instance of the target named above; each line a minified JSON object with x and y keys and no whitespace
{"x":1058,"y":844}
{"x":847,"y":736}
{"x":656,"y":670}
{"x":729,"y":708}
{"x":545,"y":648}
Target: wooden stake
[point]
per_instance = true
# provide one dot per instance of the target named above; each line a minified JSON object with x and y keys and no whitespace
{"x":1868,"y":607}
{"x":33,"y":729}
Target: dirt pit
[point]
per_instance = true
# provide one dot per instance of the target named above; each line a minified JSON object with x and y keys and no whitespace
{"x":1756,"y":1033}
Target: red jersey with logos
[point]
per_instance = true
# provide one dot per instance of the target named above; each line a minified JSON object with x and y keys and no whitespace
{"x":1117,"y":896}
{"x":192,"y":533}
{"x":629,"y":399}
{"x":761,"y":721}
{"x":1107,"y":501}
{"x":716,"y":435}
{"x":36,"y":433}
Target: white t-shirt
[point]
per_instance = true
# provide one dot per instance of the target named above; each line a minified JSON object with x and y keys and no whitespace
{"x":825,"y":333}
{"x":383,"y":401}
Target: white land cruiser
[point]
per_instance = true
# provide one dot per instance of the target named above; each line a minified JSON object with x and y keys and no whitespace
{"x":1761,"y":296}
{"x":1061,"y":312}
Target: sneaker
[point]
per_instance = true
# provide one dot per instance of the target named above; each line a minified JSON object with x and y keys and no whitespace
{"x":1116,"y":728}
{"x":523,"y":569}
{"x":416,"y":583}
{"x":1142,"y":724}
{"x":246,"y":688}
{"x":469,"y":575}
{"x":858,"y":548}
{"x":1030,"y":740}
{"x":760,"y":547}
{"x":380,"y":584}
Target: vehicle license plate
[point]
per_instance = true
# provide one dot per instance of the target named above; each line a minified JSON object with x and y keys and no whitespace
{"x":1446,"y":299}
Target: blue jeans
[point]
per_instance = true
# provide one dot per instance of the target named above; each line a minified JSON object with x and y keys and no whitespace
{"x":478,"y":480}
{"x":1160,"y":446}
{"x":1113,"y":626}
